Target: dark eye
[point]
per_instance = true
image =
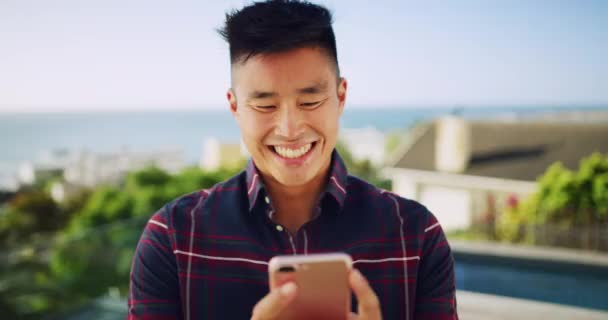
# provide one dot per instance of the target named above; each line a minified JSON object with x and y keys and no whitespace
{"x":310,"y":104}
{"x":265,"y":108}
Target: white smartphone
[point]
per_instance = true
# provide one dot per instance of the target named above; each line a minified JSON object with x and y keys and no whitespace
{"x":322,"y":281}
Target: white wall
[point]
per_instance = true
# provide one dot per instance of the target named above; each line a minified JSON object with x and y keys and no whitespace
{"x":455,"y":199}
{"x":451,"y":206}
{"x":405,"y":187}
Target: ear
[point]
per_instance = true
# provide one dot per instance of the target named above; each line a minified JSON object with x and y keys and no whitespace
{"x":342,"y":86}
{"x":232,"y":101}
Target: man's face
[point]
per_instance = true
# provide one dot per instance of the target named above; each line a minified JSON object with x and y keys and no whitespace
{"x":288,"y":107}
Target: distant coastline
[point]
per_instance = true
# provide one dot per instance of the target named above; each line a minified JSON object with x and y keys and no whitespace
{"x":25,"y":136}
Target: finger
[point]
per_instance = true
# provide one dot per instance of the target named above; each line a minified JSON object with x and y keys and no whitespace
{"x":353,"y":316}
{"x":281,"y":278}
{"x":368,"y":304}
{"x":271,"y":306}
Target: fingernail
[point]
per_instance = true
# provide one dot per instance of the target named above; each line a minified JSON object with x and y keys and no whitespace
{"x":288,"y":289}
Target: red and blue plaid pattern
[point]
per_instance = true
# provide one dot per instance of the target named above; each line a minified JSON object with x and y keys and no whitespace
{"x":205,"y":255}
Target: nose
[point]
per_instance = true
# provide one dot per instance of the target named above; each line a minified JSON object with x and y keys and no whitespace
{"x":289,"y":122}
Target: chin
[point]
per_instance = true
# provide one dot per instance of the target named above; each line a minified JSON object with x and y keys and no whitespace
{"x":293,"y":180}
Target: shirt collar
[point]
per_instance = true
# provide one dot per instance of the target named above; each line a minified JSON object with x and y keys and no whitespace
{"x":254,"y":183}
{"x":336,"y":185}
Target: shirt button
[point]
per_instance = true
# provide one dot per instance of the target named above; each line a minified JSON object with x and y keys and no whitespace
{"x":267,"y":200}
{"x":279,"y":228}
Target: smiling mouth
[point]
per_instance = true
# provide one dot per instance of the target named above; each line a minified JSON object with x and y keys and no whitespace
{"x":290,"y":153}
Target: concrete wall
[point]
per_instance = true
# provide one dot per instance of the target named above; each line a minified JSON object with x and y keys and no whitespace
{"x":458,"y":201}
{"x":451,"y":206}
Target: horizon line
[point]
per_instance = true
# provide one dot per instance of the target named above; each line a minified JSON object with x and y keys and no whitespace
{"x":36,"y":109}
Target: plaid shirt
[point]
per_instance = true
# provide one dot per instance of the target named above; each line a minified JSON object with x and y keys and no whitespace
{"x":205,"y":255}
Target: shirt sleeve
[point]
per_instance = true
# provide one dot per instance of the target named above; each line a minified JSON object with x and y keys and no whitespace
{"x":154,"y":283}
{"x":436,"y":290}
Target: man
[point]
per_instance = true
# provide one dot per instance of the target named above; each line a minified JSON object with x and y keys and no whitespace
{"x":205,"y":255}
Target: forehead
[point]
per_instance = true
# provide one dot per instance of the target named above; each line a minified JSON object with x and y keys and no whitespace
{"x":283,"y":71}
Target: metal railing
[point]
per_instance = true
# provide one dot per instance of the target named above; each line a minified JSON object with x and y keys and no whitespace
{"x":590,"y":238}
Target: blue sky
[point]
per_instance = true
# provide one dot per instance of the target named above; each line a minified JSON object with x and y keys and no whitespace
{"x":142,"y":54}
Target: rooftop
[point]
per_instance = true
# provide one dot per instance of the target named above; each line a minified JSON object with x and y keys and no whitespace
{"x":512,"y":150}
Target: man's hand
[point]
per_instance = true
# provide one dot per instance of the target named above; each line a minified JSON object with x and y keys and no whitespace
{"x":368,"y":303}
{"x":271,"y":306}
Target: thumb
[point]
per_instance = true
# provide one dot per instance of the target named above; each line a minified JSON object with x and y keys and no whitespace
{"x":369,"y":306}
{"x":271,"y":306}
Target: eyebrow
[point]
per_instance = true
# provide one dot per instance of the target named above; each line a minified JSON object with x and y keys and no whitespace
{"x":316,"y":88}
{"x":261,"y":94}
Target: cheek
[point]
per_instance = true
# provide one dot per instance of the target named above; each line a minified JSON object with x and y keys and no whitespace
{"x":254,"y":129}
{"x":328,"y":124}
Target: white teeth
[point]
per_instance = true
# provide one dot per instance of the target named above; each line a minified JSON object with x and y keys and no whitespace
{"x":292,"y":153}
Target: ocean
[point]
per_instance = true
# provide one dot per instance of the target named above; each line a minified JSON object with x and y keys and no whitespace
{"x":24,"y":137}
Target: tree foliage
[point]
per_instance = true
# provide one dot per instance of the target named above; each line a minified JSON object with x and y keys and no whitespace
{"x":94,"y":240}
{"x":564,"y":198}
{"x":28,"y":213}
{"x":100,"y":240}
{"x":93,"y":236}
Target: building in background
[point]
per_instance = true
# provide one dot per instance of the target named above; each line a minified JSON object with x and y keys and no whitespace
{"x":468,"y":171}
{"x":365,"y":143}
{"x":51,"y":164}
{"x":217,"y":154}
{"x":84,"y":169}
{"x":91,"y":169}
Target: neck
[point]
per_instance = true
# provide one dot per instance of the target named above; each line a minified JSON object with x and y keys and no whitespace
{"x":294,"y":205}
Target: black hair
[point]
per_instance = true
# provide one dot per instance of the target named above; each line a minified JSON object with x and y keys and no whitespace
{"x":277,"y":26}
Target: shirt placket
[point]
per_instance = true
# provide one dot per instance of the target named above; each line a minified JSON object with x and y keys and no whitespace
{"x":284,"y":234}
{"x":303,"y":230}
{"x":292,"y":240}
